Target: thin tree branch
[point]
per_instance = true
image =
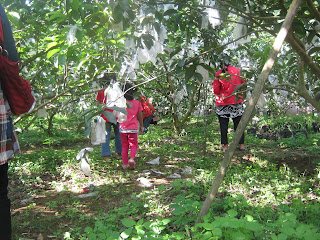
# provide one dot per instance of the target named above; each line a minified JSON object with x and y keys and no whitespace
{"x":313,"y":9}
{"x":19,"y":118}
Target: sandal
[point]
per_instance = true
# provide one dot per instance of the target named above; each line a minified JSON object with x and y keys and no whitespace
{"x":224,"y":147}
{"x":125,"y":166}
{"x":132,"y":164}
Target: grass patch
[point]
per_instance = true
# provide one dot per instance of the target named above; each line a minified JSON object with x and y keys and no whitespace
{"x":267,"y":193}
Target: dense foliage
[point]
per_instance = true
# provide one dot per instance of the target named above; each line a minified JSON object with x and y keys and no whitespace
{"x":172,"y":47}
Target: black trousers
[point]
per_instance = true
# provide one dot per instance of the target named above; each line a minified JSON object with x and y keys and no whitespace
{"x":224,"y":124}
{"x":146,"y":123}
{"x":5,"y":215}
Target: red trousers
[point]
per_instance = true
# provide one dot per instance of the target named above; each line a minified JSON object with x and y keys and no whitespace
{"x":129,"y":141}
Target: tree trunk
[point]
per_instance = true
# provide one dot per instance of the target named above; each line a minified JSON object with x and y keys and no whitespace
{"x":50,"y":123}
{"x":303,"y":91}
{"x":250,"y":107}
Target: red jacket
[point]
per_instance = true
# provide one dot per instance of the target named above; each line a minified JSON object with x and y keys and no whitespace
{"x":147,"y":106}
{"x":223,"y":88}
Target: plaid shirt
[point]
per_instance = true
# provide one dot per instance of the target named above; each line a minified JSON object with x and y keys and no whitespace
{"x":9,"y":144}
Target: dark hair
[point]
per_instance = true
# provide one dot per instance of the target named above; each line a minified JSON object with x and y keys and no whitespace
{"x":107,"y":78}
{"x":129,"y":90}
{"x":224,"y":62}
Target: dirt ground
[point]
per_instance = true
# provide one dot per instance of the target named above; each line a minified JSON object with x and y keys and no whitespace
{"x":35,"y":205}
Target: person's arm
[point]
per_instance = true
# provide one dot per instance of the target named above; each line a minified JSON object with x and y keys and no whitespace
{"x":140,"y":120}
{"x":216,"y":85}
{"x":9,"y":42}
{"x":98,"y":103}
{"x":99,"y":98}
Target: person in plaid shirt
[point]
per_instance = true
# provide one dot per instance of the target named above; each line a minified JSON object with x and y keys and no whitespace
{"x":8,"y":139}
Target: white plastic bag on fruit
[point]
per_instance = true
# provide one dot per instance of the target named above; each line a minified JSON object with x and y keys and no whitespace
{"x":115,"y":98}
{"x":121,"y":117}
{"x":98,"y":131}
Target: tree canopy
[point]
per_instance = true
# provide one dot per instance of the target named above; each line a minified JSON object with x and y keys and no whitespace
{"x":172,"y":47}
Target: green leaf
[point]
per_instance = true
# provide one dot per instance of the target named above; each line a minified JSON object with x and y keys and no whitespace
{"x":199,"y":76}
{"x":95,"y":109}
{"x":314,"y":50}
{"x":81,"y":63}
{"x":282,"y":236}
{"x":249,"y":218}
{"x":311,"y":35}
{"x":238,"y":88}
{"x":75,"y":5}
{"x":291,"y":61}
{"x":207,"y":235}
{"x":190,"y":71}
{"x":140,"y":232}
{"x":110,"y":116}
{"x":208,"y":226}
{"x":128,"y":222}
{"x":52,"y":52}
{"x":217,"y":232}
{"x":257,"y":54}
{"x":298,"y":27}
{"x":238,"y":236}
{"x":175,"y":51}
{"x":178,"y":210}
{"x":148,"y":40}
{"x":62,"y":59}
{"x":165,"y":221}
{"x":254,"y":226}
{"x":301,"y":229}
{"x":147,"y":225}
{"x":51,"y":45}
{"x":58,"y":16}
{"x":88,"y":229}
{"x":147,"y":20}
{"x":14,"y":18}
{"x":79,"y":35}
{"x":181,"y":62}
{"x":289,"y":231}
{"x":126,"y":234}
{"x":311,"y":236}
{"x":117,"y":14}
{"x":170,"y":12}
{"x":232,"y":213}
{"x":119,"y":109}
{"x":87,"y":129}
{"x":124,"y":4}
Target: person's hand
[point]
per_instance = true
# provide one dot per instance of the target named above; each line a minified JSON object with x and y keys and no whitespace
{"x":141,"y":131}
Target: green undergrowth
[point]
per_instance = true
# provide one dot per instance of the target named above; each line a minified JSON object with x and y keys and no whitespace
{"x":261,"y":197}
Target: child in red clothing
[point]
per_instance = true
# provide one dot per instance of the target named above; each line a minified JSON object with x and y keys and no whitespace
{"x":148,"y":111}
{"x":129,"y":129}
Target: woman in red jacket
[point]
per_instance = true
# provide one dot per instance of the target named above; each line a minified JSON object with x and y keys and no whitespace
{"x":227,"y":104}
